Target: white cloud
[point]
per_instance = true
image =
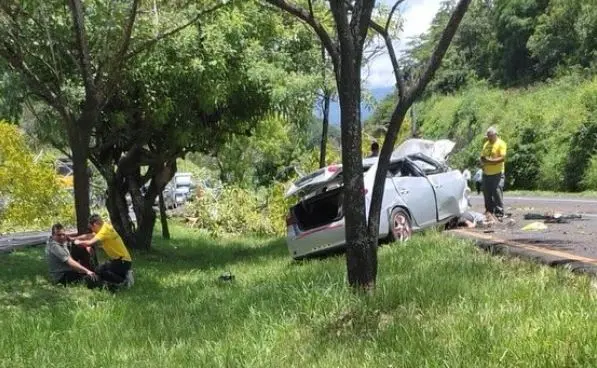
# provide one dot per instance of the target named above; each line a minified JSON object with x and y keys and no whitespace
{"x":417,"y":15}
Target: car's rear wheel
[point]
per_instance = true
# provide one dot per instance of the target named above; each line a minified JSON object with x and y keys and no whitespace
{"x":400,"y":225}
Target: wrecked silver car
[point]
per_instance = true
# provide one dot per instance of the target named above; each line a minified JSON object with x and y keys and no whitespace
{"x":421,"y":191}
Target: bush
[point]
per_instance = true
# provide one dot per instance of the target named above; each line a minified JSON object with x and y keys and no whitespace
{"x":524,"y":160}
{"x":582,"y":147}
{"x":589,"y":182}
{"x":30,"y":190}
{"x":234,"y":210}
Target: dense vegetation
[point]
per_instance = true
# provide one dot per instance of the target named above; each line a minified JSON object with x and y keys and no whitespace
{"x":30,"y":193}
{"x":528,"y":67}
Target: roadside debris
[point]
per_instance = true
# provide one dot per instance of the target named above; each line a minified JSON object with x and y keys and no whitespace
{"x":226,"y":276}
{"x":556,"y":218}
{"x":534,"y":226}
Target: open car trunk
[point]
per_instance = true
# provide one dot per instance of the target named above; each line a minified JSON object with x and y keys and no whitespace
{"x":320,"y":210}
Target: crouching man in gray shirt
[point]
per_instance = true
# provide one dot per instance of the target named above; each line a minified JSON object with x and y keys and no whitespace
{"x":64,"y":269}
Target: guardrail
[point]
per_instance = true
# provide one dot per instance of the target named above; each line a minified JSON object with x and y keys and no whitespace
{"x":13,"y":241}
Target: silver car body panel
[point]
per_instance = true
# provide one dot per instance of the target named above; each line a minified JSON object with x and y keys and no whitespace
{"x":414,"y":193}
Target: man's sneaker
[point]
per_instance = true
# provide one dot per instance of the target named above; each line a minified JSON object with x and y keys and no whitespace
{"x":129,"y":280}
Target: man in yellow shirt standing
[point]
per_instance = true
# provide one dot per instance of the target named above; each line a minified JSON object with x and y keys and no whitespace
{"x":118,"y":269}
{"x":493,"y":157}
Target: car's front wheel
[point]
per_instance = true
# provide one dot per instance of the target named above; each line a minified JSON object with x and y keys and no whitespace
{"x":400,"y":225}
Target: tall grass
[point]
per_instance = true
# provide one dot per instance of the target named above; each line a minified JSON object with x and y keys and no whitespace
{"x":439,"y":302}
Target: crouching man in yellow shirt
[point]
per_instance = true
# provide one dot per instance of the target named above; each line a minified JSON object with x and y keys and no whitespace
{"x":118,"y":269}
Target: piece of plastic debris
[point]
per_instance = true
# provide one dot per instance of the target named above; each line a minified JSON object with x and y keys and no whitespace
{"x":226,"y":276}
{"x":534,"y":226}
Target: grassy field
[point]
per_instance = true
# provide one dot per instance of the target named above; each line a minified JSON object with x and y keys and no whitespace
{"x":439,"y":303}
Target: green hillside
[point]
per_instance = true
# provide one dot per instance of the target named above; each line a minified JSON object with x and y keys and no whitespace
{"x":550,"y":128}
{"x":526,"y":66}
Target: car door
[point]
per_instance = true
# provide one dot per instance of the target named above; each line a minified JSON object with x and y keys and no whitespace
{"x":416,"y":192}
{"x":448,"y":185}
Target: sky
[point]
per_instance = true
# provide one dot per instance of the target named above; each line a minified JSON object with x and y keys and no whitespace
{"x":417,"y":15}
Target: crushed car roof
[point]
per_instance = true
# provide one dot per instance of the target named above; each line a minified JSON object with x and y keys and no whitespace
{"x":437,"y":150}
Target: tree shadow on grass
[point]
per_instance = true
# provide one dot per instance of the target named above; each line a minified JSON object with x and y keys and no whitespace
{"x":190,"y":253}
{"x":25,"y":283}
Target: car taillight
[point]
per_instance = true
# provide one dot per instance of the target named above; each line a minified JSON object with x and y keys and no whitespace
{"x":333,"y":168}
{"x":290,"y":219}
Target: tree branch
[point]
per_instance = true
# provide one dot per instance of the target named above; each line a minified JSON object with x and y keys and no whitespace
{"x":35,"y":83}
{"x":172,"y":32}
{"x":76,"y":9}
{"x":440,"y":50}
{"x":389,"y":20}
{"x":304,"y":15}
{"x":383,"y":32}
{"x":124,"y":44}
{"x":401,"y":109}
{"x":360,"y":20}
{"x":392,"y":53}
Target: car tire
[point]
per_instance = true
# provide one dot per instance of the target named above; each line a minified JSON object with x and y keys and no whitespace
{"x":400,"y":225}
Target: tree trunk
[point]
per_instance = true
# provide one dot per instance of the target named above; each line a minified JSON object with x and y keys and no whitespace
{"x":407,"y":98}
{"x":361,"y":251}
{"x":143,"y":208}
{"x":119,"y":211}
{"x":80,"y":152}
{"x":382,"y":167}
{"x":163,"y":217}
{"x":144,"y":234}
{"x":324,"y":129}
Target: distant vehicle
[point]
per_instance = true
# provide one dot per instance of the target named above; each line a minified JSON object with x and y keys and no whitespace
{"x":184,"y":187}
{"x":178,"y":191}
{"x":168,"y":194}
{"x":420,"y":191}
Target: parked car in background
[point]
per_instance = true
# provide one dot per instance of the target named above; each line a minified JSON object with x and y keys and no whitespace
{"x":179,"y":190}
{"x":421,"y":191}
{"x":184,"y":187}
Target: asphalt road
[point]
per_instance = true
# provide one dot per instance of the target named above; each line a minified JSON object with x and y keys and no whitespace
{"x":577,"y":237}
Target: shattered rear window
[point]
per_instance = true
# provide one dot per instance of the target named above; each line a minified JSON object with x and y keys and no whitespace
{"x":307,"y":178}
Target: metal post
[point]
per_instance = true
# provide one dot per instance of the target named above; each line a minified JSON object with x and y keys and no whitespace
{"x":413,"y":122}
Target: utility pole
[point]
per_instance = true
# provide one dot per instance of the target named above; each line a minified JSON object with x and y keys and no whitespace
{"x":413,"y":122}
